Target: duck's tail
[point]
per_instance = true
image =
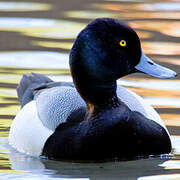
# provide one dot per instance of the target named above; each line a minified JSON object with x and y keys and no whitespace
{"x":27,"y":84}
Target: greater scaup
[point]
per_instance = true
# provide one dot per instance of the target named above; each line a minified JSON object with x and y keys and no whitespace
{"x":96,"y":119}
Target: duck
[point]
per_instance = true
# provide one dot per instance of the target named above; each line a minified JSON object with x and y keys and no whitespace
{"x":92,"y":118}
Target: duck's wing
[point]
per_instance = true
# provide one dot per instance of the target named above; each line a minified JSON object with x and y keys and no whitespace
{"x":56,"y":102}
{"x":30,"y":86}
{"x":58,"y":105}
{"x":138,"y":104}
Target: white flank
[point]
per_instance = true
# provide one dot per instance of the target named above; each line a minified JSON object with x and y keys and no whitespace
{"x":27,"y":133}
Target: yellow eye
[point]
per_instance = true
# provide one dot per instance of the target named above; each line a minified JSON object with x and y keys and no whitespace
{"x":122,"y":43}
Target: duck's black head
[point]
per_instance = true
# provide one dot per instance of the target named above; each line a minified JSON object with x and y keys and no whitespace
{"x":103,"y":52}
{"x":107,"y":48}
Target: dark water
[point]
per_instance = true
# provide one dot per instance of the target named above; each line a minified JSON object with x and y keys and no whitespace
{"x":36,"y":36}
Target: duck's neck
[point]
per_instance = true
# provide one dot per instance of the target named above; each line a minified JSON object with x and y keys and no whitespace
{"x":98,"y":95}
{"x":95,"y":109}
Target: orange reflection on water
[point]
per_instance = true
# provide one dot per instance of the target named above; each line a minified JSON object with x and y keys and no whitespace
{"x":157,"y":6}
{"x":156,"y":92}
{"x":174,"y":61}
{"x":165,"y":106}
{"x":171,"y":28}
{"x":118,"y":7}
{"x":171,"y":119}
{"x":154,"y":15}
{"x":163,"y":48}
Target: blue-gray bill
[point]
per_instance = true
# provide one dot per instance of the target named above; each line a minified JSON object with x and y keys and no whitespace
{"x":147,"y":66}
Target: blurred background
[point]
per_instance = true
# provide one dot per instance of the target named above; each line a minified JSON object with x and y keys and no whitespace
{"x":37,"y":35}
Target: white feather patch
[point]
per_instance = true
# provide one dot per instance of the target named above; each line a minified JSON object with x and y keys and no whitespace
{"x":27,"y":133}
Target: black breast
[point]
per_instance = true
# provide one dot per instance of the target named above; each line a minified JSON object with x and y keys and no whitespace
{"x":116,"y":133}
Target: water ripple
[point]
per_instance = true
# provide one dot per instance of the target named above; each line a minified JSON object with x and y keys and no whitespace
{"x":23,"y":6}
{"x":34,"y":59}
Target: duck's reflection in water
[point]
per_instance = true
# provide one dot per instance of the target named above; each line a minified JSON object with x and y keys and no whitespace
{"x":95,"y":170}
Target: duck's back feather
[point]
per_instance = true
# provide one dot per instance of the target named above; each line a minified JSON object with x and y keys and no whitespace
{"x":26,"y":85}
{"x":30,"y":86}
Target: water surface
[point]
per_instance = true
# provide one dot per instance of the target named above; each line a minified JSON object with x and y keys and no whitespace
{"x":36,"y":36}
